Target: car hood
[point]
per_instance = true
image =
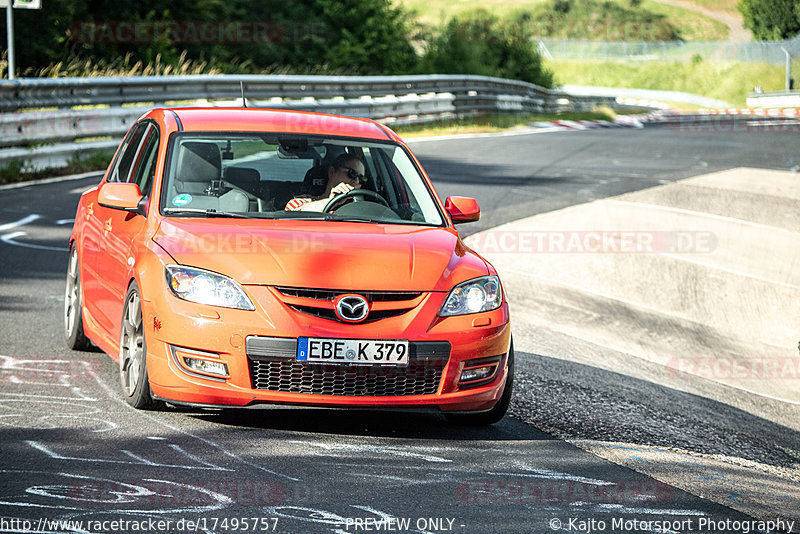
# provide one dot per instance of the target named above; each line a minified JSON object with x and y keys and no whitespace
{"x":323,"y":254}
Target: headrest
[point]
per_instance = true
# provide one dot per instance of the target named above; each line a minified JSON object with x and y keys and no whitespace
{"x":199,"y":162}
{"x":242,"y":175}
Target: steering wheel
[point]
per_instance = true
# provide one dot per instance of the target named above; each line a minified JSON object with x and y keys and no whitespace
{"x":336,"y":202}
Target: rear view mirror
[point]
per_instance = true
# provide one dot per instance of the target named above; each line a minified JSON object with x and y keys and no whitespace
{"x":462,"y":209}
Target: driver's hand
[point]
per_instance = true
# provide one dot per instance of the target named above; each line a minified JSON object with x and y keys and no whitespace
{"x":341,"y":189}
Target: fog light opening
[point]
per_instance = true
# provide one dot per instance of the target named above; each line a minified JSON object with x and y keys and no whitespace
{"x":202,"y":364}
{"x":477,"y":373}
{"x":206,"y":367}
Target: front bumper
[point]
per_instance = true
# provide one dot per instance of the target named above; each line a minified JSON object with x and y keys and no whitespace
{"x":258,"y":349}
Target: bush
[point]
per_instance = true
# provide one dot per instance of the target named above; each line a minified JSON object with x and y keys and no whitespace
{"x":771,"y":20}
{"x":482,"y":45}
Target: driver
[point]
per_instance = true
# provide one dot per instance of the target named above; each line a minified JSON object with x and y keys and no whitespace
{"x":344,"y":174}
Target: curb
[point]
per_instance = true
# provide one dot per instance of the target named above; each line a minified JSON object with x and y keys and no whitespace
{"x":620,"y":121}
{"x":758,"y":112}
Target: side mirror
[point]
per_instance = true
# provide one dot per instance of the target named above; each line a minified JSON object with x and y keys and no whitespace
{"x":462,"y":209}
{"x":121,"y":196}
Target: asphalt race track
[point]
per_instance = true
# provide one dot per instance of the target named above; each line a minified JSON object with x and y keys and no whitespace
{"x":72,"y":450}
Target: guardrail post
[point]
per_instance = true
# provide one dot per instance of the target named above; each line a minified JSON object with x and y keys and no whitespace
{"x":788,"y":69}
{"x":10,"y":32}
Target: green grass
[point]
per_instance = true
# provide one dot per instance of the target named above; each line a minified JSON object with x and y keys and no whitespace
{"x":434,"y":12}
{"x":690,"y":24}
{"x":727,"y":81}
{"x":18,"y":171}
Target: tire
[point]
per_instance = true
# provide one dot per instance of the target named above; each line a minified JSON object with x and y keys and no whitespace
{"x":73,"y":305}
{"x":133,"y":354}
{"x":498,"y":411}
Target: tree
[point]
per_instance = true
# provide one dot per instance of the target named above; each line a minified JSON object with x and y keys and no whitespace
{"x":346,"y":36}
{"x":481,"y":44}
{"x":771,"y":20}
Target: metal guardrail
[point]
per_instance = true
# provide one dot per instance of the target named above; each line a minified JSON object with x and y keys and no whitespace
{"x":44,"y":121}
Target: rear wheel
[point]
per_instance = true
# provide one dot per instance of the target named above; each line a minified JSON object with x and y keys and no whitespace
{"x":499,"y":410}
{"x":132,"y":353}
{"x":73,"y":306}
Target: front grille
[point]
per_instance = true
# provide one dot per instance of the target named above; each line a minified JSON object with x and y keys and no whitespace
{"x":319,"y":302}
{"x":327,"y":294}
{"x":273,"y":367}
{"x":330,"y":314}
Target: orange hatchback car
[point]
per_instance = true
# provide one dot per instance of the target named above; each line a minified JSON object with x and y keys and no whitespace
{"x":237,"y":257}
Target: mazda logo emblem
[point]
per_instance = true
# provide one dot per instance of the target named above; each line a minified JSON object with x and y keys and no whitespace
{"x":351,"y":308}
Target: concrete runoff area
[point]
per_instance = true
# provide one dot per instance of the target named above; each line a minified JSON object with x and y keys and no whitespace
{"x":694,"y":286}
{"x":701,"y":276}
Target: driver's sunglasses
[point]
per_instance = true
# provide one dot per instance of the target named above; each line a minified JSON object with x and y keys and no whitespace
{"x":353,"y":175}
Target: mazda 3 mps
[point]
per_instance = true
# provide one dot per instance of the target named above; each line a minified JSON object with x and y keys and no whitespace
{"x":237,"y":257}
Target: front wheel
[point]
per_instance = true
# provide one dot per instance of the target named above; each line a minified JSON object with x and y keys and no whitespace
{"x":73,"y":305}
{"x":133,"y":352}
{"x":498,"y":411}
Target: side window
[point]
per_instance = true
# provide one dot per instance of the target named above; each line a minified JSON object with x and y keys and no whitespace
{"x":144,"y":167}
{"x":128,"y":154}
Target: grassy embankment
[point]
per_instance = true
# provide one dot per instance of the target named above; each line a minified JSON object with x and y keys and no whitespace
{"x":691,"y":25}
{"x":727,"y":81}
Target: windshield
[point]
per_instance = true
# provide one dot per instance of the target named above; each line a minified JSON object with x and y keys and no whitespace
{"x":291,"y":176}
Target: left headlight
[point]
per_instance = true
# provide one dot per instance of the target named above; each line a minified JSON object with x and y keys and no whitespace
{"x":205,"y":287}
{"x":473,"y":296}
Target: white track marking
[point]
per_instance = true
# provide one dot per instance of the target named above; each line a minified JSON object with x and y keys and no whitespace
{"x":9,"y":239}
{"x":22,"y":222}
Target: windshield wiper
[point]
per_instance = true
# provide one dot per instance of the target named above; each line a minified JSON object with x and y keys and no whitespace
{"x":344,"y":218}
{"x":210,"y":212}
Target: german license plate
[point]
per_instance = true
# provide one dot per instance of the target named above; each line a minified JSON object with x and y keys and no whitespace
{"x":352,"y":351}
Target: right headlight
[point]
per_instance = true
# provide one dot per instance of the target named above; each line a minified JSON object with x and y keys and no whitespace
{"x":206,"y":287}
{"x":473,"y":296}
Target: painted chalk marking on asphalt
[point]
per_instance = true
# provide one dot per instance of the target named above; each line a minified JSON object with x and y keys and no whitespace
{"x":124,"y":493}
{"x":113,"y":396}
{"x":9,"y":239}
{"x":553,"y":475}
{"x":139,"y":461}
{"x":49,"y":410}
{"x":372,"y":448}
{"x":22,"y":222}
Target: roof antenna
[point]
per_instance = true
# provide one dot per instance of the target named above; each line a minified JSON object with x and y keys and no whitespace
{"x":244,"y":102}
